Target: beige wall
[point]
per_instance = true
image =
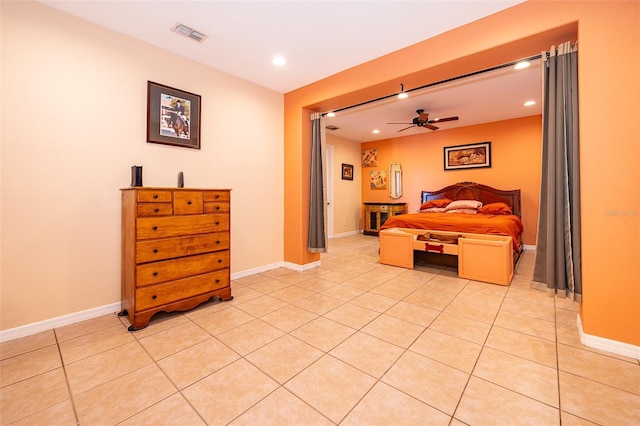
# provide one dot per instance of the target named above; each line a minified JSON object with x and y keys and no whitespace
{"x":73,"y":124}
{"x":347,"y":205}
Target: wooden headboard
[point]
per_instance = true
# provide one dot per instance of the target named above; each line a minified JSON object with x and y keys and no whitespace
{"x":476,"y":191}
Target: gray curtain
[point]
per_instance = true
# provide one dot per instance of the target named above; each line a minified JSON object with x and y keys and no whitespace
{"x":317,"y":236}
{"x":558,"y":264}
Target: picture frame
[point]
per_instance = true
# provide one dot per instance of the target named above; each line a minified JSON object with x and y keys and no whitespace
{"x":347,"y":171}
{"x":370,"y":157}
{"x":378,"y":179}
{"x":173,"y":116}
{"x":469,"y":156}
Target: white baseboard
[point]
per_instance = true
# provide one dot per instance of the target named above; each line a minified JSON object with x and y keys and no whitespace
{"x":254,"y":271}
{"x":37,"y":327}
{"x":301,"y":268}
{"x":607,"y":345}
{"x":346,"y":234}
{"x":529,"y":247}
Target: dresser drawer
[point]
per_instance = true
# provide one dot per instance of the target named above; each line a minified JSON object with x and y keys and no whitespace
{"x":173,"y":291}
{"x":172,"y":226}
{"x":216,"y":207}
{"x":216,"y":196}
{"x":155,"y":209}
{"x":151,"y":195}
{"x":187,"y":202}
{"x":169,"y":270}
{"x":169,"y":248}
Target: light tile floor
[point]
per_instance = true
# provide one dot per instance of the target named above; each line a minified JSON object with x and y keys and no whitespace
{"x":352,"y":342}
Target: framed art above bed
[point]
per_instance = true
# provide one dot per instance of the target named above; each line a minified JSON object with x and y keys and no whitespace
{"x":470,"y":156}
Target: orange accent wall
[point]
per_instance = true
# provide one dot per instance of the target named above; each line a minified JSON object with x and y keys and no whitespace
{"x":609,"y":65}
{"x":515,"y":164}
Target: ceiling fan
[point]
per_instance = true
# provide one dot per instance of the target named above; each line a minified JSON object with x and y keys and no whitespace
{"x":422,"y":120}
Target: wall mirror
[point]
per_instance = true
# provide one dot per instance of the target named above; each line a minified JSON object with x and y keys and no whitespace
{"x":395,"y":180}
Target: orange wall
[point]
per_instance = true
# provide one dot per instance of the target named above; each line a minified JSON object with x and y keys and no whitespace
{"x":609,"y":65}
{"x":515,"y":164}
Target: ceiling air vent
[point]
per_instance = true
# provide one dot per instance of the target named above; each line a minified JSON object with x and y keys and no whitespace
{"x":331,"y":127}
{"x":188,"y":32}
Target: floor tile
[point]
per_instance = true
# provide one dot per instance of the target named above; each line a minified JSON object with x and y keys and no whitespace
{"x":526,"y":377}
{"x":250,"y":336}
{"x":384,"y":405}
{"x":220,"y":322}
{"x":291,"y":294}
{"x":225,"y":394}
{"x":415,"y":314}
{"x":261,"y":305}
{"x":172,"y":411}
{"x":284,"y":357}
{"x":279,"y":408}
{"x":61,"y":414}
{"x":528,"y":325}
{"x":29,"y":364}
{"x":600,"y":368}
{"x":27,"y":344}
{"x":447,"y":349}
{"x":484,"y":403}
{"x":464,"y":328}
{"x":289,"y":318}
{"x":319,"y":303}
{"x":529,"y":347}
{"x":393,"y":330}
{"x":89,"y":326}
{"x":352,"y":315}
{"x":195,"y":362}
{"x":430,"y":381}
{"x":172,"y":340}
{"x":32,"y":395}
{"x":127,"y":395}
{"x":323,"y":333}
{"x":380,"y":355}
{"x":95,"y":370}
{"x":348,"y":386}
{"x":597,"y":402}
{"x":90,"y":344}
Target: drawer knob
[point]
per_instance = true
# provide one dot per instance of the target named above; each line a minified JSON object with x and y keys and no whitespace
{"x":217,"y":280}
{"x":217,"y":196}
{"x":155,"y":274}
{"x":217,"y":207}
{"x":219,"y":260}
{"x":155,"y":195}
{"x":154,"y":297}
{"x":155,"y":228}
{"x":189,"y":202}
{"x":156,"y":210}
{"x":217,"y":242}
{"x":155,"y":250}
{"x":217,"y":223}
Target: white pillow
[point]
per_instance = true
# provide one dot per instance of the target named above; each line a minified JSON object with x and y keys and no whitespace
{"x":464,"y":204}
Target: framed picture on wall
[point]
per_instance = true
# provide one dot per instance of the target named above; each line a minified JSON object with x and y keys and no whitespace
{"x":471,"y":156}
{"x":370,"y":158}
{"x":347,"y":171}
{"x":173,"y":116}
{"x":378,"y":179}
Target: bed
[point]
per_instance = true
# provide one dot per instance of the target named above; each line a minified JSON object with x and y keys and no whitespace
{"x":449,"y":209}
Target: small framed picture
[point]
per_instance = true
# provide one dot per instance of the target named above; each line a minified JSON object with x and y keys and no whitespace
{"x":347,"y":171}
{"x":173,"y":116}
{"x":471,"y":156}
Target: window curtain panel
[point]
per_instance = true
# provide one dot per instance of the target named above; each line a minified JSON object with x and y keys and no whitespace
{"x":317,"y":235}
{"x":558,"y":264}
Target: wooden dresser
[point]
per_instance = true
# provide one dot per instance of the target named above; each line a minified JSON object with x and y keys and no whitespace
{"x":375,"y":214}
{"x":175,"y":250}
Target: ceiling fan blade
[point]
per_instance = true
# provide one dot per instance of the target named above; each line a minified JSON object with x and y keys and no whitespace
{"x":430,"y":126}
{"x":440,"y":120}
{"x":401,"y":130}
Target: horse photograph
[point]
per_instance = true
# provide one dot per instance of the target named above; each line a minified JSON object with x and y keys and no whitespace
{"x":175,"y":117}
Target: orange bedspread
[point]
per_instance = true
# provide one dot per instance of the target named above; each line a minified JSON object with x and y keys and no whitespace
{"x":460,"y":222}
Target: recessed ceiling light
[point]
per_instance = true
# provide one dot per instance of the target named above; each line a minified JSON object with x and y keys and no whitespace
{"x":402,"y":95}
{"x":331,"y":114}
{"x":375,"y":131}
{"x":279,"y":60}
{"x":529,"y":103}
{"x":521,"y":65}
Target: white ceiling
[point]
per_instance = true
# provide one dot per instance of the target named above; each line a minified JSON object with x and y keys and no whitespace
{"x":319,"y":38}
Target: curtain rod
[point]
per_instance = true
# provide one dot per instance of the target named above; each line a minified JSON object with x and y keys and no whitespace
{"x":471,"y":74}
